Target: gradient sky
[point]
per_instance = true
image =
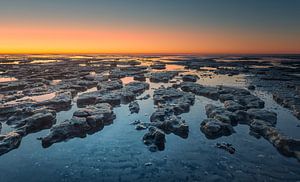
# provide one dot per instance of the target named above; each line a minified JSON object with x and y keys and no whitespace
{"x":150,"y":26}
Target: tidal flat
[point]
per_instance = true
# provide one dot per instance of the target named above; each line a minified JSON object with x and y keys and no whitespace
{"x":149,"y":118}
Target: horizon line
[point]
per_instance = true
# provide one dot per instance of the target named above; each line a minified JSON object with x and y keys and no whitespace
{"x":147,"y":53}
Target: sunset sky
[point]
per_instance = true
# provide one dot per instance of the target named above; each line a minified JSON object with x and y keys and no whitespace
{"x":150,"y":26}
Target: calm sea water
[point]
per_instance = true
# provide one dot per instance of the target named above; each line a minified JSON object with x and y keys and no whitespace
{"x":117,"y":153}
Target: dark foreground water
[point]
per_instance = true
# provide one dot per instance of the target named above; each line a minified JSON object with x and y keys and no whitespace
{"x":117,"y":153}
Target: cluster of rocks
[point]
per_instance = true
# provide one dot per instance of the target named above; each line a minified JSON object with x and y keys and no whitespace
{"x":114,"y":97}
{"x":26,"y":115}
{"x":110,"y":85}
{"x":239,"y":97}
{"x":124,"y":71}
{"x":240,"y":106}
{"x":163,"y":76}
{"x":290,"y":99}
{"x":210,"y":92}
{"x":283,"y":82}
{"x":25,"y":121}
{"x":158,"y":66}
{"x":84,"y":121}
{"x":286,"y":145}
{"x":165,"y":120}
{"x":60,"y":102}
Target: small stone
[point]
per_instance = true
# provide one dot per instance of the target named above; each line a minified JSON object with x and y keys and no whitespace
{"x":251,"y":87}
{"x":148,"y":164}
{"x":140,"y":127}
{"x":226,"y":146}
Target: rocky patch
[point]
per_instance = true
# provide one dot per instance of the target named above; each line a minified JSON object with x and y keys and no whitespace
{"x":84,"y":121}
{"x":154,"y":139}
{"x":134,"y":107}
{"x":114,"y":97}
{"x":163,"y":76}
{"x":214,"y":128}
{"x":287,"y":146}
{"x":9,"y":142}
{"x":190,"y":78}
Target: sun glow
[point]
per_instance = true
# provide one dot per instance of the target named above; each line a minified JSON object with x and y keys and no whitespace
{"x":16,"y":39}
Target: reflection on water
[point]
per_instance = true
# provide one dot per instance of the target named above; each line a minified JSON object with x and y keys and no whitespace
{"x":213,"y":80}
{"x":174,"y":67}
{"x":126,"y":80}
{"x":41,"y":61}
{"x":8,"y":79}
{"x":40,"y":98}
{"x":207,"y":68}
{"x":259,"y":66}
{"x":10,"y":62}
{"x":37,"y":98}
{"x":55,"y":82}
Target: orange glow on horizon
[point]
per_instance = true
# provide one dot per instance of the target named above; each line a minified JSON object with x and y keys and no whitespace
{"x":31,"y":39}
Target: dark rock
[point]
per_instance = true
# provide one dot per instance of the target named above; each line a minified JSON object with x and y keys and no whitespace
{"x":261,"y":114}
{"x":190,"y":78}
{"x":233,"y":106}
{"x":144,"y":98}
{"x":136,"y":87}
{"x":96,"y":77}
{"x":242,"y":117}
{"x":155,"y":139}
{"x":97,"y":116}
{"x":111,"y":97}
{"x":110,"y":85}
{"x":9,"y":142}
{"x":161,"y":114}
{"x":220,"y":114}
{"x":209,"y":92}
{"x":213,"y":128}
{"x":38,"y":122}
{"x":225,"y":97}
{"x":61,"y":102}
{"x":139,"y":77}
{"x":173,"y":124}
{"x":226,"y":146}
{"x":249,"y":101}
{"x":158,"y":66}
{"x":176,"y":100}
{"x":135,"y":122}
{"x":251,"y":87}
{"x":30,"y":120}
{"x":163,"y":76}
{"x":18,"y":85}
{"x":287,"y":146}
{"x":134,"y":107}
{"x":140,"y":127}
{"x":289,"y":99}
